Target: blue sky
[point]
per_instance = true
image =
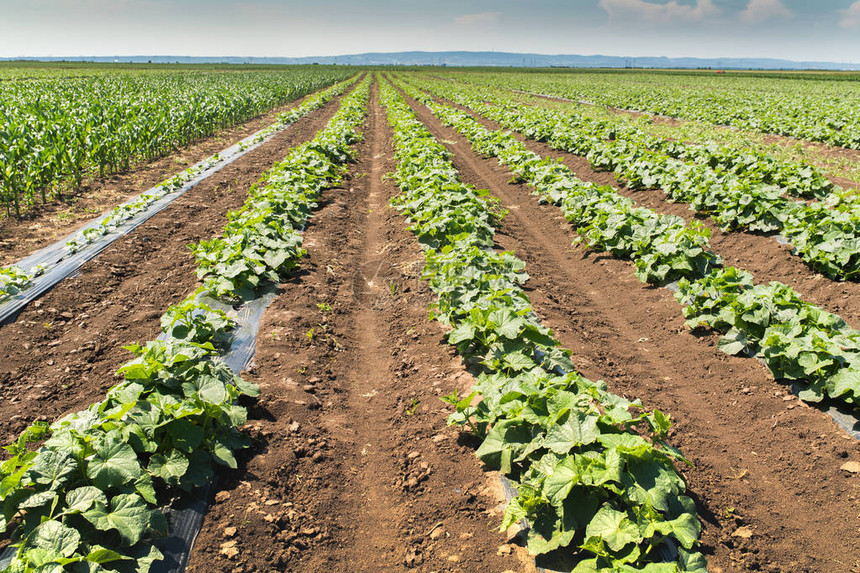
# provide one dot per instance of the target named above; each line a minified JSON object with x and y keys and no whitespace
{"x":798,"y":30}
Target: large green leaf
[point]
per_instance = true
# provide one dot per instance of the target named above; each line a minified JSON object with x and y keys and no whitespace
{"x":128,"y":514}
{"x":83,"y":498}
{"x":614,"y":528}
{"x":114,"y":464}
{"x":53,"y":468}
{"x":579,"y":428}
{"x":56,"y":538}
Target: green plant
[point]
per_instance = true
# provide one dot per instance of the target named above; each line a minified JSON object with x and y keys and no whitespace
{"x":413,"y":404}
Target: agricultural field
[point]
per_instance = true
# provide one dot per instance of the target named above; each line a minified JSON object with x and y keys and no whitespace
{"x":338,"y":319}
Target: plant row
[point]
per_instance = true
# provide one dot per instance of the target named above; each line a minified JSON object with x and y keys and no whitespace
{"x":13,"y":279}
{"x":826,"y":235}
{"x":811,"y":108}
{"x":664,"y":248}
{"x":129,"y":210}
{"x":83,"y":494}
{"x":594,"y":476}
{"x":795,"y":178}
{"x":797,"y":340}
{"x":56,"y":132}
{"x":262,"y":240}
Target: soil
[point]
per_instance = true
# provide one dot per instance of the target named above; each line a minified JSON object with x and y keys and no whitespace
{"x":771,"y":497}
{"x":62,"y":352}
{"x":353,"y":467}
{"x":46,"y":224}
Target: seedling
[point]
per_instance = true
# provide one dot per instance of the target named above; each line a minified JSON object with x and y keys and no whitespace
{"x":412,"y":406}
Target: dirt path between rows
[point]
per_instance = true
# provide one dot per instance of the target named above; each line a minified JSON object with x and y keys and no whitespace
{"x":766,"y":475}
{"x":761,"y":255}
{"x":353,"y":467}
{"x":46,"y":224}
{"x":62,"y":352}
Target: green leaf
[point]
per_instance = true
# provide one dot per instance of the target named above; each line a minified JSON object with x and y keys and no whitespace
{"x":53,"y":468}
{"x":686,"y":529}
{"x":464,"y":331}
{"x":578,"y":429}
{"x":129,"y":515}
{"x":223,"y":454}
{"x":518,"y":361}
{"x":56,"y":538}
{"x":113,"y":465}
{"x":187,"y":436}
{"x":38,"y":499}
{"x":99,"y":554}
{"x":146,"y":489}
{"x":169,"y":468}
{"x":213,"y":391}
{"x":564,"y":476}
{"x":83,"y":498}
{"x":614,"y":528}
{"x":734,"y":342}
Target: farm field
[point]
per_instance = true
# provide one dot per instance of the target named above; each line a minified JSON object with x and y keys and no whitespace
{"x":646,"y":335}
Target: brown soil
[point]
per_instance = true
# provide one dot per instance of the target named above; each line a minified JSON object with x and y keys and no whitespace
{"x":62,"y":352}
{"x":46,"y":224}
{"x":766,"y":468}
{"x":353,"y":468}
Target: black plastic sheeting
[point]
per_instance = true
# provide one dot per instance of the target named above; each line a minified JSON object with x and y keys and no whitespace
{"x":60,"y":264}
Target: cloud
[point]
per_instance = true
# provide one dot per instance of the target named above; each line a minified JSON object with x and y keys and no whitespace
{"x":478,"y":19}
{"x":761,"y":10}
{"x":660,"y":13}
{"x":850,"y":17}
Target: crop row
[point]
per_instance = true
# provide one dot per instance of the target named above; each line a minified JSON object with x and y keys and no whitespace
{"x":826,"y":235}
{"x":83,"y":494}
{"x":593,"y":473}
{"x":129,"y":210}
{"x":811,"y":109}
{"x":14,"y":279}
{"x":795,"y":178}
{"x":56,"y":132}
{"x":797,"y":340}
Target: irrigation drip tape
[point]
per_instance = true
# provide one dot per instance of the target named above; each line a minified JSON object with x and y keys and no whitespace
{"x":55,"y":262}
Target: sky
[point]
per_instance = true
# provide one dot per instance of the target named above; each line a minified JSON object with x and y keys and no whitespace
{"x":824,"y":30}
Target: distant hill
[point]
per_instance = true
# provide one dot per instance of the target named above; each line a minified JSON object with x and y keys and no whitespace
{"x":485,"y":59}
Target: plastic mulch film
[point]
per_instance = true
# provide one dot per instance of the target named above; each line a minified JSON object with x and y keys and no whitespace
{"x":59,"y":261}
